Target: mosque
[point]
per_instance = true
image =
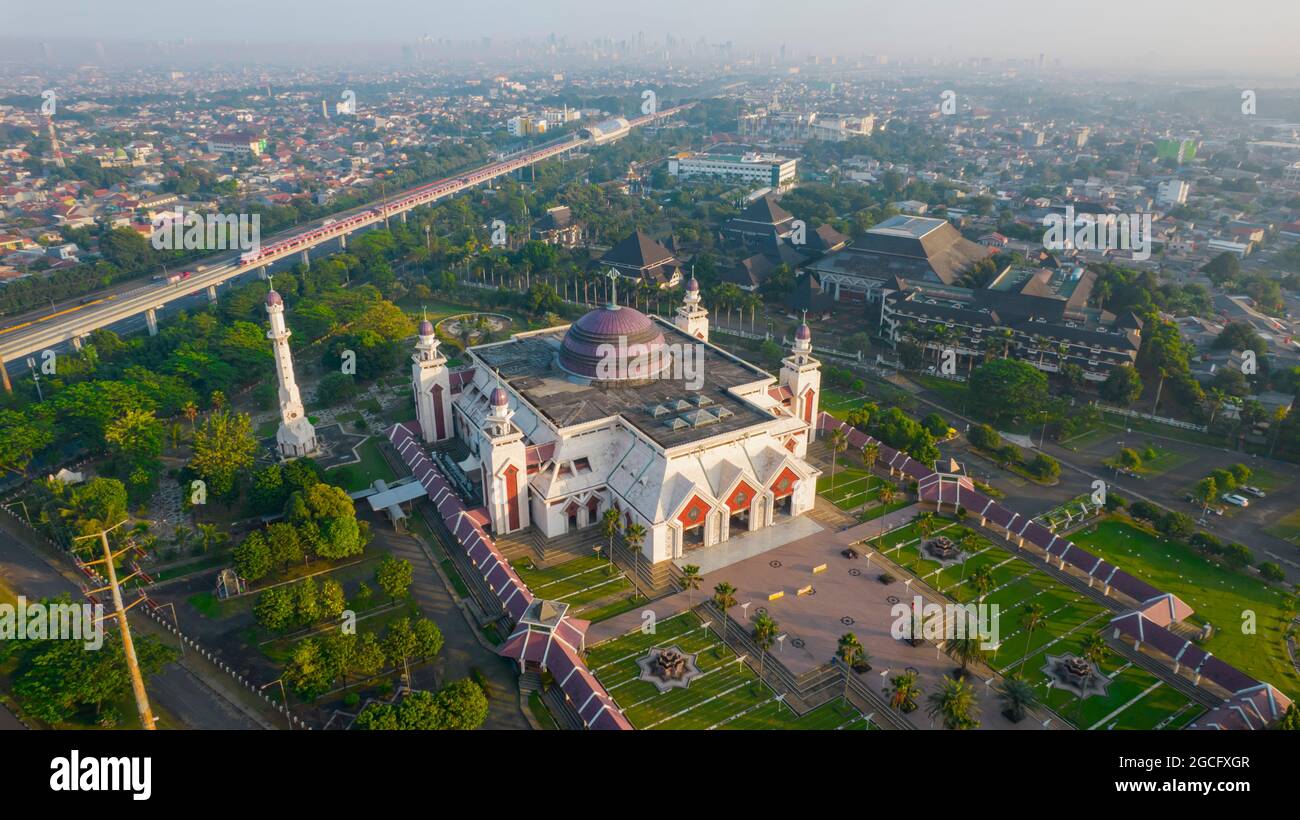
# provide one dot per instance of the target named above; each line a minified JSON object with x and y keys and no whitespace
{"x":623,"y":411}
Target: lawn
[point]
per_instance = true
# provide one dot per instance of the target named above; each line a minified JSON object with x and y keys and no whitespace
{"x":1136,"y":699}
{"x":586,"y":584}
{"x":727,"y":695}
{"x":1219,"y":595}
{"x":353,"y":477}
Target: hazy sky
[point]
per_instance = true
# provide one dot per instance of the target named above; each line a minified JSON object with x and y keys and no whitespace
{"x":1240,"y":35}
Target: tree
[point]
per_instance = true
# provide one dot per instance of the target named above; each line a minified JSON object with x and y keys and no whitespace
{"x":332,"y":600}
{"x":765,"y":632}
{"x":98,"y":504}
{"x":849,"y":652}
{"x":724,"y":597}
{"x":282,"y":541}
{"x":965,"y":649}
{"x":326,"y":520}
{"x":462,"y":705}
{"x":224,"y":447}
{"x":1205,"y":491}
{"x":21,"y":437}
{"x":904,"y":692}
{"x":274,"y":609}
{"x":394,"y":576}
{"x":609,"y":525}
{"x":253,"y":557}
{"x":691,"y":580}
{"x":369,"y":657}
{"x":838,"y":442}
{"x":870,"y":452}
{"x":378,"y":717}
{"x":1031,"y":619}
{"x":981,"y":580}
{"x":633,"y":535}
{"x":399,"y":642}
{"x":1007,"y":389}
{"x":428,"y":638}
{"x":1017,"y":697}
{"x":956,"y":704}
{"x":1122,"y":386}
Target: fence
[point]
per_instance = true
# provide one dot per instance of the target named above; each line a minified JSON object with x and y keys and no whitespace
{"x":1134,"y":414}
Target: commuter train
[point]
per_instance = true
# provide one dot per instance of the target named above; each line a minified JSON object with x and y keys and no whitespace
{"x":599,"y":134}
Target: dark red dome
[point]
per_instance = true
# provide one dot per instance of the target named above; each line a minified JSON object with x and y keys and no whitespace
{"x":426,"y":328}
{"x":804,"y":333}
{"x":610,"y":331}
{"x":273,"y":298}
{"x":499,"y":397}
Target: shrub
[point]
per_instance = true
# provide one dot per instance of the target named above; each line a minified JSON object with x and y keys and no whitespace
{"x":1271,"y":571}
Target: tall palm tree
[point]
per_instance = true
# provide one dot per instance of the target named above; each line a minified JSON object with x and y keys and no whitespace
{"x":924,"y":525}
{"x":1031,"y":619}
{"x":838,"y":441}
{"x":888,"y":495}
{"x":1094,"y":649}
{"x":1017,"y":697}
{"x":850,"y":653}
{"x":724,"y":597}
{"x":981,"y":580}
{"x":609,"y":521}
{"x":956,"y":704}
{"x":964,"y":650}
{"x":870,"y":452}
{"x":634,"y":534}
{"x":765,"y":632}
{"x":691,"y":580}
{"x":191,"y":412}
{"x":904,"y":692}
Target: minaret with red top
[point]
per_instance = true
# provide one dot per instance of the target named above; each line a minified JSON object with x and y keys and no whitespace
{"x":802,"y":374}
{"x":431,"y":382}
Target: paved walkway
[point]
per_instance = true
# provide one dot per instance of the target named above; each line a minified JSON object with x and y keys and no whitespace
{"x":462,"y":651}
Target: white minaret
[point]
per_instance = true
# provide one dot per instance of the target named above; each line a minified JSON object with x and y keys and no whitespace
{"x":691,"y":315}
{"x":504,"y":467}
{"x":296,"y":437}
{"x":432,"y":385}
{"x":802,"y":374}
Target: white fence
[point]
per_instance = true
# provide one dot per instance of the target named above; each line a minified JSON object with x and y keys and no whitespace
{"x":1134,"y":414}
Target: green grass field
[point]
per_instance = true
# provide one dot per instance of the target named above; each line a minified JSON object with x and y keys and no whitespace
{"x":358,"y":476}
{"x":1219,"y":596}
{"x":587,"y":585}
{"x":727,"y":695}
{"x":1136,"y":699}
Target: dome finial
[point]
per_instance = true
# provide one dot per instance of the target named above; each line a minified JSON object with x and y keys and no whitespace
{"x":613,"y":289}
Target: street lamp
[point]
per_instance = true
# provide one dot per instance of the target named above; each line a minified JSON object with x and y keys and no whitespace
{"x":284,"y":699}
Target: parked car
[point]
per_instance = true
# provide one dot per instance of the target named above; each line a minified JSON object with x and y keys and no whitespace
{"x":1235,"y":500}
{"x":1255,"y":491}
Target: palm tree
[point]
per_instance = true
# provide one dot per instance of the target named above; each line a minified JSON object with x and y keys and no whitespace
{"x":904,"y":692}
{"x":609,"y":528}
{"x":724,"y":597}
{"x":1033,"y":617}
{"x":888,"y":495}
{"x":838,"y":441}
{"x":965,"y":649}
{"x":1017,"y":697}
{"x":691,"y":579}
{"x":981,"y":580}
{"x":924,"y":525}
{"x":209,"y":535}
{"x":956,"y":703}
{"x":850,"y":653}
{"x":765,"y":631}
{"x":633,"y":535}
{"x":1094,"y":649}
{"x":870,"y":452}
{"x":191,"y":412}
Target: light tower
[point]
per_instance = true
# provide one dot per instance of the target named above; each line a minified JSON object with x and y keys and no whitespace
{"x":504,"y":467}
{"x":296,"y":437}
{"x":432,"y":385}
{"x":691,"y":315}
{"x":802,"y":374}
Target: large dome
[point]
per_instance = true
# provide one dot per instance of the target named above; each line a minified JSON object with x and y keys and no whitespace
{"x":614,"y":343}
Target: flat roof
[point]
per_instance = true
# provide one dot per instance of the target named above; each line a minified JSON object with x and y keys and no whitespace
{"x":665,"y":409}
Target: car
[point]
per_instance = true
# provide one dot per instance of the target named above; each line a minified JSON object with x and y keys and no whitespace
{"x":1255,"y":491}
{"x":1235,"y":500}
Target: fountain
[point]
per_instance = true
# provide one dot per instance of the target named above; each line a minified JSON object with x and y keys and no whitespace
{"x":943,"y":549}
{"x":1076,"y":675}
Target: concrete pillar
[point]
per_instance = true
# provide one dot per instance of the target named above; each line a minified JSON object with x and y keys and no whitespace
{"x":212,"y":293}
{"x":343,"y":241}
{"x":263,"y":274}
{"x":404,"y":213}
{"x":306,"y":258}
{"x":4,"y":377}
{"x":76,"y":343}
{"x":151,"y":321}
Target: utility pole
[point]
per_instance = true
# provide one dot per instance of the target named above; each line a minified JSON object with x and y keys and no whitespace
{"x":119,"y":612}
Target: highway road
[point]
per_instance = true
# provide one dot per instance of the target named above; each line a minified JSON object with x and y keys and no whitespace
{"x":58,"y":330}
